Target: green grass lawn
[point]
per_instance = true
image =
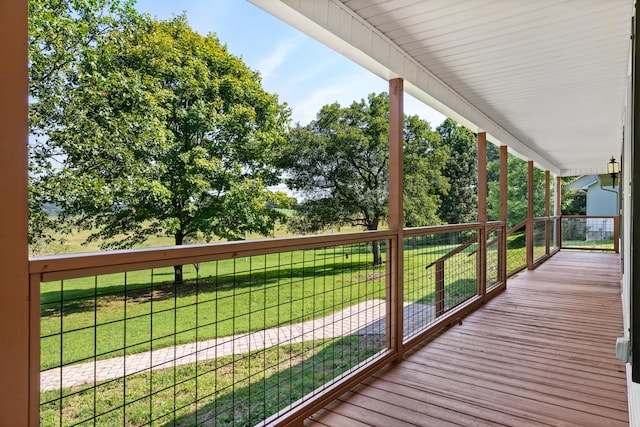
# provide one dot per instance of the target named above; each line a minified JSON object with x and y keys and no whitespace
{"x":588,"y":244}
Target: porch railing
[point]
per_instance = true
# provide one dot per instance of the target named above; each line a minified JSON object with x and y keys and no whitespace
{"x":550,"y":234}
{"x":545,"y":243}
{"x":259,"y":331}
{"x":516,"y":248}
{"x":599,"y":233}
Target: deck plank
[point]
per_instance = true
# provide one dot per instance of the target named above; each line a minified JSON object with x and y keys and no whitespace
{"x":540,"y":353}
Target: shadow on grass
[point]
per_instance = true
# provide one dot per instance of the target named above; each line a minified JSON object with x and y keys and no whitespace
{"x":455,"y":293}
{"x":229,"y":391}
{"x":516,"y":240}
{"x":254,"y":403}
{"x":71,"y":301}
{"x":81,"y":300}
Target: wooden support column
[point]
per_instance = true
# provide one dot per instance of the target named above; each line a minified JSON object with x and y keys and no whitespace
{"x":530,"y":213}
{"x":557,"y":207}
{"x":482,"y":177}
{"x":482,"y":213}
{"x":504,"y":211}
{"x":396,"y":123}
{"x":504,"y":183}
{"x":14,"y":263}
{"x":547,"y":211}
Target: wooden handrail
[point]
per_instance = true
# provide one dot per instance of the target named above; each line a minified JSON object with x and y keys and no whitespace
{"x":69,"y":266}
{"x":439,"y":263}
{"x":509,"y":231}
{"x":517,"y":226}
{"x":453,"y":252}
{"x":440,"y":269}
{"x":439,"y":229}
{"x":490,"y":227}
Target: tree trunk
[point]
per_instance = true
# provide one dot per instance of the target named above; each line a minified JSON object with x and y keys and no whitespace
{"x":177,"y":274}
{"x":375,"y":245}
{"x":377,"y":253}
{"x":177,"y":269}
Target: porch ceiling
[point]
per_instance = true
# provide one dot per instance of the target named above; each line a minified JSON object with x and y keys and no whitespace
{"x":548,"y":78}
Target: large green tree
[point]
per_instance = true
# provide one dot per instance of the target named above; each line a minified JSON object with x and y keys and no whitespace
{"x":517,"y":206}
{"x":340,"y":164}
{"x":162,"y":130}
{"x":61,"y":35}
{"x":425,"y":183}
{"x":460,"y":204}
{"x":572,"y":200}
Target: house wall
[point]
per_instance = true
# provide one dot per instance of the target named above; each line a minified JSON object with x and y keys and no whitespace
{"x":601,"y":201}
{"x":633,"y":389}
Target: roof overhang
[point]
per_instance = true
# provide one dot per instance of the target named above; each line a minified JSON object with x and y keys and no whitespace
{"x":548,"y":79}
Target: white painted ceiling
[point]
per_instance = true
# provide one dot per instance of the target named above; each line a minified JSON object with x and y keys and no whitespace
{"x":548,"y":78}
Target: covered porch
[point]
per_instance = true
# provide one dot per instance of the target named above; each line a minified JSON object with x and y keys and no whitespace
{"x":538,"y":348}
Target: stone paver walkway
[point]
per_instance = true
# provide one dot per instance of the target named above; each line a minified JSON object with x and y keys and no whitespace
{"x":366,"y":318}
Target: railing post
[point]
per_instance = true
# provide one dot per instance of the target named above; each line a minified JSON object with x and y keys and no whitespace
{"x":396,"y":124}
{"x":439,"y":287}
{"x":482,"y":260}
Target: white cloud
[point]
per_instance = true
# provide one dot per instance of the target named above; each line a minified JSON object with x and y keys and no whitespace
{"x":283,"y":51}
{"x":307,"y":109}
{"x":345,"y":90}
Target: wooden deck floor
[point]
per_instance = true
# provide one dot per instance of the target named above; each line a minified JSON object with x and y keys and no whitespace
{"x":540,"y":353}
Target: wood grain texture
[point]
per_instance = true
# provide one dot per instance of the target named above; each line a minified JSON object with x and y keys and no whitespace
{"x":541,"y":353}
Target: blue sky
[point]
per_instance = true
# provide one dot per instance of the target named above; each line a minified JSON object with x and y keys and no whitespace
{"x":304,"y":73}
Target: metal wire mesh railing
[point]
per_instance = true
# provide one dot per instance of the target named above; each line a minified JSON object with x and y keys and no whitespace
{"x":493,"y":259}
{"x":253,"y":331}
{"x":516,"y":248}
{"x":555,"y":234}
{"x":441,"y":272}
{"x":541,"y":239}
{"x":589,"y":233}
{"x":243,"y":337}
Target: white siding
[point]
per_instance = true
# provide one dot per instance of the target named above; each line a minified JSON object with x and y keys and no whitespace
{"x":601,"y":200}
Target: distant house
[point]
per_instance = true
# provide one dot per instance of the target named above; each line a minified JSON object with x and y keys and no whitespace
{"x":602,"y":197}
{"x":602,"y":200}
